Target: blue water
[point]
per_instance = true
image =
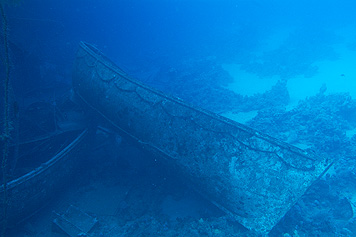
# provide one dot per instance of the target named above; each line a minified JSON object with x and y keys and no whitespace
{"x":285,"y":68}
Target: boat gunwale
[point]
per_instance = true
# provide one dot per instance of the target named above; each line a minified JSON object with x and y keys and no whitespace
{"x":46,"y":165}
{"x":100,"y":57}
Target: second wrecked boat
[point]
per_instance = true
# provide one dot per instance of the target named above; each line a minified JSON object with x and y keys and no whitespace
{"x":249,"y":175}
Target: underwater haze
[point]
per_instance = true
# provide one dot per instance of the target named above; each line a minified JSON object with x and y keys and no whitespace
{"x":284,"y":68}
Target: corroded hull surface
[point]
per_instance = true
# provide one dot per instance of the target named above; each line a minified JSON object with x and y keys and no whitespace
{"x":251,"y":176}
{"x":27,"y":194}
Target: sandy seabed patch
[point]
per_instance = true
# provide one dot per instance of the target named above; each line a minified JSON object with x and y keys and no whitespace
{"x":337,"y":75}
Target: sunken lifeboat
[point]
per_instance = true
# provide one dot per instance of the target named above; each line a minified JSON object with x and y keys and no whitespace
{"x":251,"y":176}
